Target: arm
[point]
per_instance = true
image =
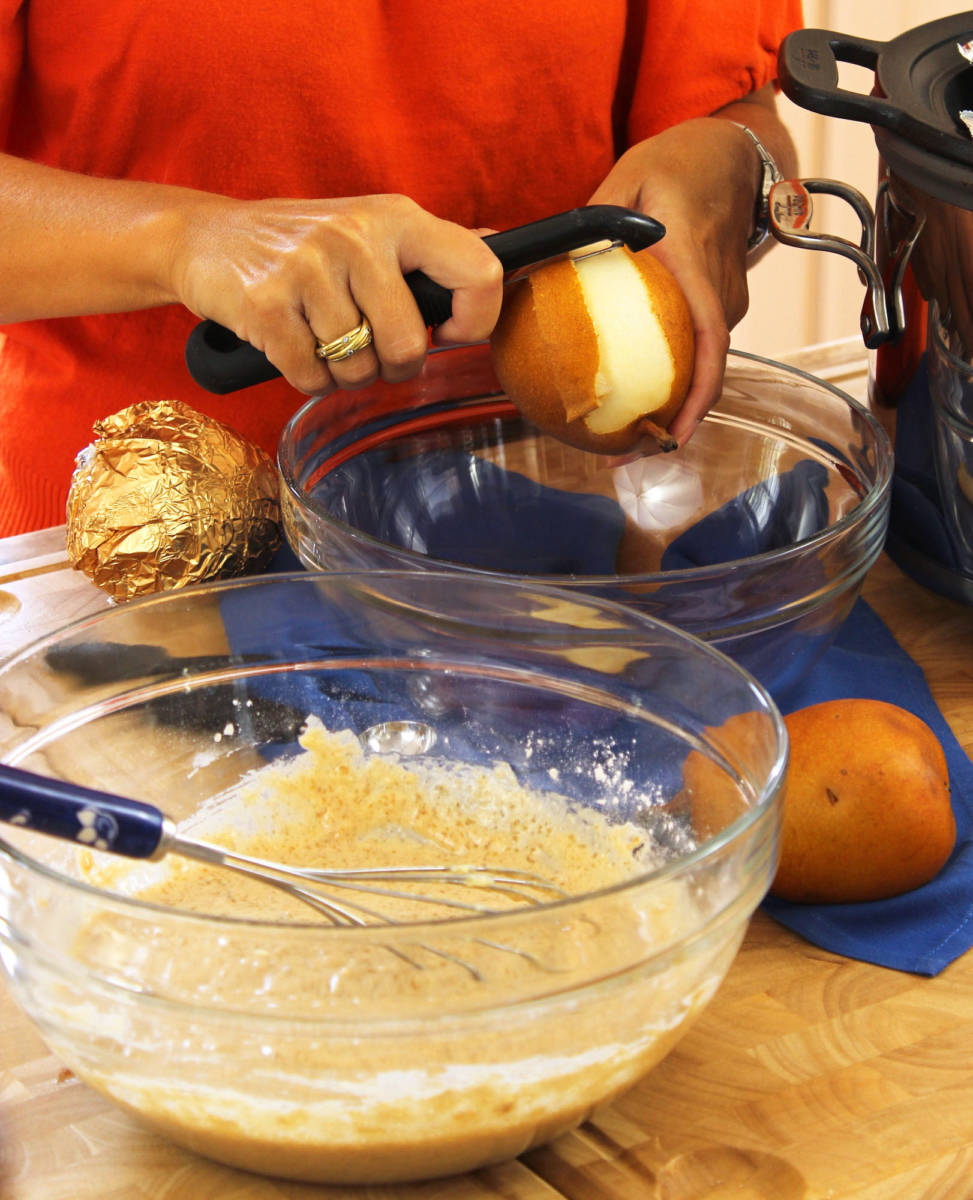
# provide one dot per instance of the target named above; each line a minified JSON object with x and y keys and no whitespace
{"x":701,"y":180}
{"x":279,"y":273}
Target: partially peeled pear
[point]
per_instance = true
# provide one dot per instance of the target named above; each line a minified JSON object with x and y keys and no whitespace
{"x":597,"y":349}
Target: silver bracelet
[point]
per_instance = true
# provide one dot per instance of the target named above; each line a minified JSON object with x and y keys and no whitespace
{"x":770,"y":174}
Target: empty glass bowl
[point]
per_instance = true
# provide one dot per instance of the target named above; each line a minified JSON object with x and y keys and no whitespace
{"x":383,"y":1052}
{"x":755,"y":536}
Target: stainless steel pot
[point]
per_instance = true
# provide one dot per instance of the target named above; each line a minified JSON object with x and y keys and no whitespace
{"x":915,"y":258}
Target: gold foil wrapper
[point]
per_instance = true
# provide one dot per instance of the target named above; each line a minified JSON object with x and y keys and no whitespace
{"x":165,"y":497}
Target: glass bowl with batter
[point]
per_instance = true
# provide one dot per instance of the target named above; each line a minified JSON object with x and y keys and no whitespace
{"x":384,"y":719}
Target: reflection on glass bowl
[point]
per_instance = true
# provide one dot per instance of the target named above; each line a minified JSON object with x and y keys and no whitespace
{"x":658,"y":493}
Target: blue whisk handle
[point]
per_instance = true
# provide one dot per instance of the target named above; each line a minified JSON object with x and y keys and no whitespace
{"x":79,"y":814}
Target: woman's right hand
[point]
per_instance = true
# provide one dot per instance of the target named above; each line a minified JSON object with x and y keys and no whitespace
{"x":285,"y":275}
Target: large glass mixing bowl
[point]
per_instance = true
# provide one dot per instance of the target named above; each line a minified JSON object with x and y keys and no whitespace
{"x":755,"y":536}
{"x":378,"y":1052}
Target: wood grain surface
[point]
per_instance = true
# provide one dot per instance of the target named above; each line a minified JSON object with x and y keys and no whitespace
{"x":809,"y":1077}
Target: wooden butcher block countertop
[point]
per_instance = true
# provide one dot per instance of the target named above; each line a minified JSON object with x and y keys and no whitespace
{"x":809,"y":1075}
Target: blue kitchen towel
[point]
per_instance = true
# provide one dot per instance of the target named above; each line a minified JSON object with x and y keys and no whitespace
{"x":923,"y":930}
{"x":782,"y":510}
{"x":458,"y":507}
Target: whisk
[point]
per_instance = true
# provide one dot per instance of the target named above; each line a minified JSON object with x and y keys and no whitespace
{"x":130,"y":828}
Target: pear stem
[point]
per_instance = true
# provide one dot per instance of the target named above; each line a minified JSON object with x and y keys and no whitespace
{"x":667,"y":442}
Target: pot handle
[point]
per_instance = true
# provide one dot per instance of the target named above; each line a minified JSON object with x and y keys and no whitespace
{"x":807,"y":67}
{"x":883,"y":312}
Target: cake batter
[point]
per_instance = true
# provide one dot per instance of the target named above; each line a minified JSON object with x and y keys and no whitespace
{"x":398,"y":1052}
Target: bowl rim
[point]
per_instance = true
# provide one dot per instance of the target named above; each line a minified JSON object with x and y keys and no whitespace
{"x":710,"y":847}
{"x":860,"y":513}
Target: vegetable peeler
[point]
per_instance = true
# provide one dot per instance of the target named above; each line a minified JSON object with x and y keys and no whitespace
{"x":221,"y":362}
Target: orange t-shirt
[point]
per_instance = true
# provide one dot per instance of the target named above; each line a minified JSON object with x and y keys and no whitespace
{"x":488,"y":114}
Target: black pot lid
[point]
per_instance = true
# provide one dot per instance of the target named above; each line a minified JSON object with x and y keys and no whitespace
{"x":922,"y":84}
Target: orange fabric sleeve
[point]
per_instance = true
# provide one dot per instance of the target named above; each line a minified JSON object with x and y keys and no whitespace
{"x":12,"y":20}
{"x":698,"y":55}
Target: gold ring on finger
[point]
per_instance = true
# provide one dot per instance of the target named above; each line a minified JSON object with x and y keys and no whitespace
{"x":348,"y":344}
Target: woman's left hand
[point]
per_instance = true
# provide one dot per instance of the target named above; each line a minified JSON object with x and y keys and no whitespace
{"x":700,"y":180}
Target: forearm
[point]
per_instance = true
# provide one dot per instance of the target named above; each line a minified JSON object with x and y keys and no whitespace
{"x":71,"y":245}
{"x":283,"y":274}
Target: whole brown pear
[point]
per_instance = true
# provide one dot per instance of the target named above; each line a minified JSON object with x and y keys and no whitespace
{"x":867,"y":813}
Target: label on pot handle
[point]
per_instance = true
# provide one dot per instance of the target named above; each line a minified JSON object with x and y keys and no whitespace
{"x":790,"y":206}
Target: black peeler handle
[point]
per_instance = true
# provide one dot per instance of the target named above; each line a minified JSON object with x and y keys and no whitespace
{"x":220,"y":362}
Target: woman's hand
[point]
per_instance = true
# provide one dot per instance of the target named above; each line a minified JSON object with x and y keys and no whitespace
{"x":287,"y":274}
{"x":700,"y":179}
{"x":282,"y":274}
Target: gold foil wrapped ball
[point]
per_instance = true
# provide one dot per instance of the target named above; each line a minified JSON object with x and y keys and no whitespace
{"x":165,"y":497}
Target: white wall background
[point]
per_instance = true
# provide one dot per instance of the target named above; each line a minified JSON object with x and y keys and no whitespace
{"x":802,"y":297}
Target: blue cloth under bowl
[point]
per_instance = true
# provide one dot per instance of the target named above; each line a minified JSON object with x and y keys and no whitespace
{"x":923,"y":930}
{"x":920,"y":932}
